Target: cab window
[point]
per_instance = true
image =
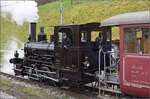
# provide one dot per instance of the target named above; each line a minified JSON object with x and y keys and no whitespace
{"x":84,"y":36}
{"x":94,"y":35}
{"x":68,"y":33}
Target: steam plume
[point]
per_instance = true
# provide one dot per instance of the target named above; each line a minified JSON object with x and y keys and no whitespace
{"x":20,"y":11}
{"x":13,"y":46}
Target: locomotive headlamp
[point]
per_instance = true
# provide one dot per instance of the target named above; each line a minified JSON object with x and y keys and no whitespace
{"x":86,"y":63}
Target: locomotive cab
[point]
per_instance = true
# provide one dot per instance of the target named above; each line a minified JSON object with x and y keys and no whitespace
{"x":82,"y":56}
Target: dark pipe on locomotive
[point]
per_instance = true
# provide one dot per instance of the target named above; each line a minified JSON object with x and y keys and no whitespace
{"x":32,"y":32}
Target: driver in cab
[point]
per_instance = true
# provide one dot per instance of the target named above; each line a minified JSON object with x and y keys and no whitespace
{"x":99,"y":40}
{"x":66,"y":41}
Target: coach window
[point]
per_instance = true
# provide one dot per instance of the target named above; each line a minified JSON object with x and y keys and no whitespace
{"x":137,"y":40}
{"x":146,"y":40}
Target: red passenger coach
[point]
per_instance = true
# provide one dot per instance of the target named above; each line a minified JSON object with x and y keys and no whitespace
{"x":135,"y":61}
{"x":134,"y":51}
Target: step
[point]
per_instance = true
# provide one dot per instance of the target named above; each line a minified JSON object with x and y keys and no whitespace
{"x":115,"y":75}
{"x":112,"y":82}
{"x":111,"y":90}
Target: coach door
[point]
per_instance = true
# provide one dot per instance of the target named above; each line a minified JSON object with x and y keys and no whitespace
{"x":135,"y":56}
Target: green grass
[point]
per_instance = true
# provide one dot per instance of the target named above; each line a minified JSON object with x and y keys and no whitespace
{"x":31,"y":92}
{"x":94,"y":11}
{"x":6,"y":83}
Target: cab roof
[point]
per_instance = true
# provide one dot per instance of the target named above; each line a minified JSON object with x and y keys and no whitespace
{"x":86,"y":26}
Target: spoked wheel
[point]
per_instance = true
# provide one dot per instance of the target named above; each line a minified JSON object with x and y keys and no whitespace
{"x":45,"y":76}
{"x":33,"y":74}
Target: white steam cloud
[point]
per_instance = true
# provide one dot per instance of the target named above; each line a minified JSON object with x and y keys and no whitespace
{"x":7,"y":67}
{"x":20,"y":11}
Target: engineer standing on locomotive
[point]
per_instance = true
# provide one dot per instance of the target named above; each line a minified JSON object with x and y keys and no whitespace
{"x":99,"y":40}
{"x":66,"y":42}
{"x":99,"y":45}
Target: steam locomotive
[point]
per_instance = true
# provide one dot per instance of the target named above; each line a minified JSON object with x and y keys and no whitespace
{"x":123,"y":63}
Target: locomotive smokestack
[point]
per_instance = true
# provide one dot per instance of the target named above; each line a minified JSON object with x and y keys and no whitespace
{"x":32,"y":32}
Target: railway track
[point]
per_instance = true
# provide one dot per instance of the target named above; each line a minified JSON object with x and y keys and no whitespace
{"x":15,"y":77}
{"x":85,"y":90}
{"x":82,"y":90}
{"x":25,"y":80}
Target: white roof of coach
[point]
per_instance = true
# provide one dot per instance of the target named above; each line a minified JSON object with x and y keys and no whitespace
{"x":128,"y":18}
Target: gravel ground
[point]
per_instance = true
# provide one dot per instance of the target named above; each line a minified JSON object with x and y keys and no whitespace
{"x":16,"y":89}
{"x":4,"y":95}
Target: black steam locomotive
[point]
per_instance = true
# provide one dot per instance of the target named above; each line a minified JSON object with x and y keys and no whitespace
{"x":45,"y":60}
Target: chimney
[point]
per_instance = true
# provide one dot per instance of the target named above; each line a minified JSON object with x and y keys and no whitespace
{"x":32,"y":32}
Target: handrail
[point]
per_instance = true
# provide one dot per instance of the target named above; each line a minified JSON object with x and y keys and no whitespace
{"x":105,"y":67}
{"x":100,"y":50}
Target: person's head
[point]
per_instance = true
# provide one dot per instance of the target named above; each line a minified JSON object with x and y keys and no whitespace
{"x":64,"y":36}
